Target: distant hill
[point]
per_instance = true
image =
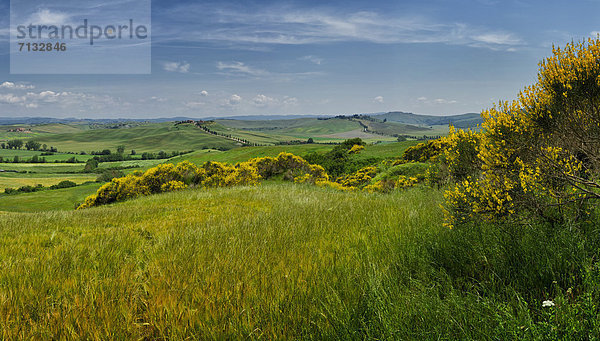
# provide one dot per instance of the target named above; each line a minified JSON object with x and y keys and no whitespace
{"x":459,"y":121}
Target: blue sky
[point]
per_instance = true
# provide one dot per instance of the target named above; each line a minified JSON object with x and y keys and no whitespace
{"x":227,"y":58}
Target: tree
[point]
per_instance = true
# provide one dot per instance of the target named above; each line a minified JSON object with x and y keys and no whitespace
{"x":32,"y":145}
{"x":15,"y":144}
{"x":133,"y":152}
{"x":90,"y":165}
{"x":120,"y":149}
{"x":310,"y":140}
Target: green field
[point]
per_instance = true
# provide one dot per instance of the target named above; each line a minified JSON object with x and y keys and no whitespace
{"x":14,"y":180}
{"x":151,"y":137}
{"x":48,"y":200}
{"x":42,"y":167}
{"x":9,"y":154}
{"x":381,"y":151}
{"x":329,"y":130}
{"x":274,"y":261}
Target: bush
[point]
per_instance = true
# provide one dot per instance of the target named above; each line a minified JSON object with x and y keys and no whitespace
{"x":539,"y":154}
{"x":167,"y":177}
{"x":108,"y":175}
{"x":64,"y":184}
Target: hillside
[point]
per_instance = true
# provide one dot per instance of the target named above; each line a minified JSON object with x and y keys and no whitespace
{"x":459,"y":121}
{"x":151,"y":137}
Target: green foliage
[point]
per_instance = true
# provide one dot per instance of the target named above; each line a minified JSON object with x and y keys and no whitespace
{"x":167,"y":177}
{"x":32,"y":145}
{"x":340,"y":160}
{"x":381,"y":267}
{"x":539,"y":152}
{"x":108,"y":175}
{"x":64,"y":184}
{"x":426,"y":151}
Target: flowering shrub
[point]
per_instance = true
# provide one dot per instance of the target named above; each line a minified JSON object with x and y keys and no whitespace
{"x":357,"y":148}
{"x":168,"y":177}
{"x":172,"y":186}
{"x":385,"y":186}
{"x":426,"y":151}
{"x":540,"y":151}
{"x":362,"y":177}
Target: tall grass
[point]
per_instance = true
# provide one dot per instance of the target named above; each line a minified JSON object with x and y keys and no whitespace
{"x":290,"y":261}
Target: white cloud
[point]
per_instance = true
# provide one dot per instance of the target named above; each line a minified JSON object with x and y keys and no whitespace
{"x":234,"y":99}
{"x":11,"y":85}
{"x":444,"y":101}
{"x":437,"y":101}
{"x":12,"y":99}
{"x":47,"y":17}
{"x":240,"y":68}
{"x":203,"y":93}
{"x":312,"y":59}
{"x":181,"y":67}
{"x":290,"y":100}
{"x":497,"y":39}
{"x":595,"y":34}
{"x":263,"y":101}
{"x":194,"y":104}
{"x":291,"y":25}
{"x":378,"y":99}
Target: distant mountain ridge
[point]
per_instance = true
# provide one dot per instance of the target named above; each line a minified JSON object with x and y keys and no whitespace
{"x":459,"y":121}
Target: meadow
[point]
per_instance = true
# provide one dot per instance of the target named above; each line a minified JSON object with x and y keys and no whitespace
{"x":403,"y":240}
{"x":284,"y":261}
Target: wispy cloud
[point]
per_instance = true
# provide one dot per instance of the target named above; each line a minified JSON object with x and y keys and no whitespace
{"x":181,"y":67}
{"x":312,"y":59}
{"x":437,"y":101}
{"x":240,"y":68}
{"x":45,"y":16}
{"x":378,"y":99}
{"x":290,"y":25}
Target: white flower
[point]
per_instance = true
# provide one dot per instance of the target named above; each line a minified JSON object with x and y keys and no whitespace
{"x":547,"y":304}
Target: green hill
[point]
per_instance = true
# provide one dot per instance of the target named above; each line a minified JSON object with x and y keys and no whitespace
{"x":151,"y":137}
{"x":460,"y":121}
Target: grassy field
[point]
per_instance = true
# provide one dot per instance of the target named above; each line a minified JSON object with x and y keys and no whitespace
{"x":49,"y":200}
{"x":14,"y":180}
{"x":9,"y":154}
{"x":330,"y":130}
{"x":143,"y":138}
{"x":300,"y":129}
{"x":51,"y":168}
{"x":381,"y":151}
{"x":279,"y":261}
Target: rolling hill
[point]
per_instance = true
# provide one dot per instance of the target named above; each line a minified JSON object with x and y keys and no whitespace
{"x":470,"y":120}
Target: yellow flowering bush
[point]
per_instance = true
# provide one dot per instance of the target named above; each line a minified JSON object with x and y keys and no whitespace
{"x":541,"y":150}
{"x":357,"y":148}
{"x":169,"y":177}
{"x":386,"y":186}
{"x":426,"y":151}
{"x":172,"y":186}
{"x":358,"y":179}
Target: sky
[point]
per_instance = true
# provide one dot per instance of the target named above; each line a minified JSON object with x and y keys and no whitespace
{"x":231,"y":58}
